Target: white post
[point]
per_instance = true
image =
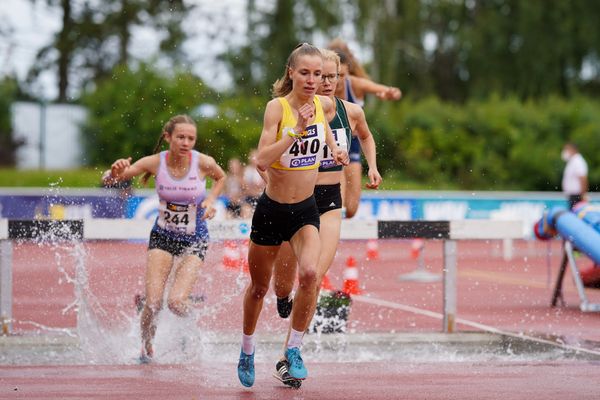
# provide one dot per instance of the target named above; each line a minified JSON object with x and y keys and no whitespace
{"x":6,"y":286}
{"x":585,"y":304}
{"x":449,"y":286}
{"x":507,"y":249}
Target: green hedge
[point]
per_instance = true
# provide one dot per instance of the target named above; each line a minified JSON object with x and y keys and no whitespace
{"x":502,"y":144}
{"x":73,"y":178}
{"x":499,"y":143}
{"x":128,"y":111}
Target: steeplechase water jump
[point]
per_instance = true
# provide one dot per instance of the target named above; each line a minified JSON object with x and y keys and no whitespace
{"x":96,"y":268}
{"x":301,"y":228}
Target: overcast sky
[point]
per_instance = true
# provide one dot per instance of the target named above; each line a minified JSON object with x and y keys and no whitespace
{"x":27,"y":26}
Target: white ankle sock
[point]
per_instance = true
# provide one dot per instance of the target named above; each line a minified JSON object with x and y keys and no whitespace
{"x":248,"y":344}
{"x":295,"y":339}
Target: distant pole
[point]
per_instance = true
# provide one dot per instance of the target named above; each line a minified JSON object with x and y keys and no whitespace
{"x":42,"y":147}
{"x":6,"y":284}
{"x":449,"y":286}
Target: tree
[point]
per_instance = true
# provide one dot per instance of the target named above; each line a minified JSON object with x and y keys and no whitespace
{"x":83,"y":49}
{"x":127,"y":111}
{"x":394,"y":32}
{"x":463,"y":49}
{"x":166,"y":16}
{"x":8,"y":146}
{"x":272,"y":34}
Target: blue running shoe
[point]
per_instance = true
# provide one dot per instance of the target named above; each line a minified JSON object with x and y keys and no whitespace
{"x":145,"y":359}
{"x":296,"y":369}
{"x":246,"y":369}
{"x":146,"y":355}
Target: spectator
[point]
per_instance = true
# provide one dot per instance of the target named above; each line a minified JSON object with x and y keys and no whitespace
{"x":120,"y":192}
{"x":253,"y":185}
{"x":575,"y":180}
{"x":234,"y":188}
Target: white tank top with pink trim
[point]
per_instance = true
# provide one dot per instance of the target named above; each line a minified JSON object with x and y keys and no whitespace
{"x":179,"y":210}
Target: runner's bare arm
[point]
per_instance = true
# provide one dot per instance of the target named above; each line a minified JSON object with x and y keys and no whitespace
{"x":122,"y":169}
{"x":364,"y":86}
{"x":269,"y":148}
{"x":361,"y":129}
{"x":210,"y":168}
{"x":263,"y":175}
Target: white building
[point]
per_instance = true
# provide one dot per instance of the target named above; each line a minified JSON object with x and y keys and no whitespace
{"x":51,"y":133}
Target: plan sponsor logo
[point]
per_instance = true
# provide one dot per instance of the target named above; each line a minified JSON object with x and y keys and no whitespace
{"x":303,"y":162}
{"x":328,"y":164}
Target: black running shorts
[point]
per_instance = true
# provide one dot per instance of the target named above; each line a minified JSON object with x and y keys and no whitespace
{"x":178,"y":246}
{"x":274,"y":223}
{"x":328,"y":197}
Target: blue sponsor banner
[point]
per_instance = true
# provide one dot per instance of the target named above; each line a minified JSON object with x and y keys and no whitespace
{"x":381,"y":205}
{"x":452,"y":206}
{"x":432,"y":206}
{"x":59,"y":206}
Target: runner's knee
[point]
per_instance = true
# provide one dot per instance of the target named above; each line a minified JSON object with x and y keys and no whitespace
{"x":154,"y":306}
{"x":178,"y":307}
{"x":307,"y":278}
{"x":258,"y":290}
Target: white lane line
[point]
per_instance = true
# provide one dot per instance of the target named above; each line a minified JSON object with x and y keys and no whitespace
{"x":472,"y":324}
{"x":397,"y":306}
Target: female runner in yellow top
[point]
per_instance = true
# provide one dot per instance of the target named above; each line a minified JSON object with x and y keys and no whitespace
{"x":294,"y":132}
{"x":346,"y":120}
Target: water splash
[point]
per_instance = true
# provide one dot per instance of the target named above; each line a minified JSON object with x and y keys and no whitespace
{"x":115,"y":339}
{"x":106,"y":336}
{"x":46,"y":328}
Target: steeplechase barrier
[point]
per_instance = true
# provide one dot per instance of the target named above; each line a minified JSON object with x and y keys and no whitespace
{"x":138,"y":229}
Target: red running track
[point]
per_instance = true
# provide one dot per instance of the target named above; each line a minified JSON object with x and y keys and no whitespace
{"x":356,"y":381}
{"x":512,"y":296}
{"x":509,"y":295}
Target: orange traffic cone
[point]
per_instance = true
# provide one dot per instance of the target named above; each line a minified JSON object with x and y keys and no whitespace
{"x":326,"y":284}
{"x":416,"y":248}
{"x":231,"y":255}
{"x":372,"y":249}
{"x":351,"y":277}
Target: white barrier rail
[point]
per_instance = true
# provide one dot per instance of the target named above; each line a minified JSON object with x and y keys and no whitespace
{"x":134,"y":229}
